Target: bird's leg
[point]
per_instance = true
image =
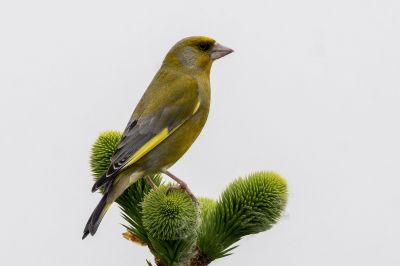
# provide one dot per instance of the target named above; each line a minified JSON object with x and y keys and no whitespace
{"x":150,"y":182}
{"x":182,"y":185}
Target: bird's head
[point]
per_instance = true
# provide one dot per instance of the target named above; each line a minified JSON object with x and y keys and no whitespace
{"x":195,"y":54}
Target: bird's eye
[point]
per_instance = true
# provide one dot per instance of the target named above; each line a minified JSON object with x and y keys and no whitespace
{"x":204,"y":46}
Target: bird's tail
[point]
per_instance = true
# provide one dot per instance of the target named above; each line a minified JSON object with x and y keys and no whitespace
{"x":96,"y":217}
{"x":102,"y":181}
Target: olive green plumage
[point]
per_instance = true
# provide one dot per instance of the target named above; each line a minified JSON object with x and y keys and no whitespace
{"x":164,"y":124}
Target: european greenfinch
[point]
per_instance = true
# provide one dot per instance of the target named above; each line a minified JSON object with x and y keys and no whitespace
{"x":164,"y":124}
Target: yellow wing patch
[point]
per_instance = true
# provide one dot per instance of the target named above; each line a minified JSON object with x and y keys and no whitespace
{"x":196,"y":107}
{"x":153,"y":142}
{"x":157,"y":139}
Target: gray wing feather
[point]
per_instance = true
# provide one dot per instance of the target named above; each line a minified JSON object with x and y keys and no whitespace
{"x":140,"y":130}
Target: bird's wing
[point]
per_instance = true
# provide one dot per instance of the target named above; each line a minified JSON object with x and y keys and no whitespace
{"x":162,"y":110}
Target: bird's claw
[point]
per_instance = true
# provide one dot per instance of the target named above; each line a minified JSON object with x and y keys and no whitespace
{"x":185,"y":188}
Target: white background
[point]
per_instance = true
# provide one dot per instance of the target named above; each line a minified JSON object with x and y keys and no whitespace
{"x":312,"y":92}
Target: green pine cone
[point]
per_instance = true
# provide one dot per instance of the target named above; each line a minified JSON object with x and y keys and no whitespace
{"x":249,"y":205}
{"x":169,"y":215}
{"x":206,"y":205}
{"x":102,"y":150}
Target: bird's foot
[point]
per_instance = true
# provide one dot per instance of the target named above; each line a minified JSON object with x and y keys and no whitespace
{"x":181,"y":185}
{"x":185,"y":188}
{"x":150,"y":182}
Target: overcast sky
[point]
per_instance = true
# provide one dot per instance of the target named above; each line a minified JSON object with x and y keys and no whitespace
{"x":312,"y":91}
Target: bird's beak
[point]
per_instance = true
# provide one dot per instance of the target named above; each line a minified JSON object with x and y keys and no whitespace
{"x":219,"y":51}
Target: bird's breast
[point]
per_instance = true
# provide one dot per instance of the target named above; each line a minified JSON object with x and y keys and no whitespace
{"x":176,"y":144}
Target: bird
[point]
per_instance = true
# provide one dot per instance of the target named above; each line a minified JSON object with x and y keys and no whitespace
{"x":167,"y":120}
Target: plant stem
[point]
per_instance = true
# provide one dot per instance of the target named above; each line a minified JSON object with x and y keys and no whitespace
{"x":199,"y":260}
